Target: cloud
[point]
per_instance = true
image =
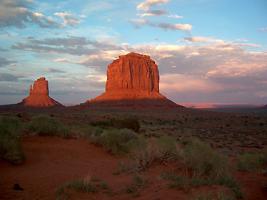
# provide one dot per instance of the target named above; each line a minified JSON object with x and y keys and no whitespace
{"x":53,"y":70}
{"x":202,"y":39}
{"x":5,"y":62}
{"x":68,"y":18}
{"x":153,"y":13}
{"x":99,"y":61}
{"x":147,"y":4}
{"x":238,"y":68}
{"x":168,"y":26}
{"x":165,"y":26}
{"x":201,"y":68}
{"x":187,"y":83}
{"x":176,"y":16}
{"x":69,"y":45}
{"x":5,"y":77}
{"x":264,"y":29}
{"x":18,"y":13}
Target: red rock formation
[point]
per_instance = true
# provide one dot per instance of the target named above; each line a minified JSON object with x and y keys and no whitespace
{"x":133,"y":77}
{"x":39,"y":95}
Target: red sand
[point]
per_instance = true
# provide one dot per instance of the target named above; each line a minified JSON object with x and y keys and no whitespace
{"x":52,"y":161}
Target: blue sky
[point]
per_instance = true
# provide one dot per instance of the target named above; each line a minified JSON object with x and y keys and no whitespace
{"x":207,"y":50}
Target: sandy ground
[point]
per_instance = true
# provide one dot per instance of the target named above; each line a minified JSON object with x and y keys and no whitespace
{"x":52,"y":161}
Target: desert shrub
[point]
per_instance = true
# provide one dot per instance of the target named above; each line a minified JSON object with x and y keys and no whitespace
{"x":160,"y":150}
{"x":203,"y":160}
{"x":10,"y":146}
{"x":48,"y":126}
{"x":251,"y":161}
{"x":138,"y":182}
{"x":143,"y":158}
{"x":208,"y":166}
{"x":86,"y":131}
{"x":212,"y":196}
{"x":185,"y":182}
{"x":126,"y":123}
{"x":92,"y":185}
{"x":167,"y":147}
{"x":79,"y":185}
{"x":116,"y":141}
{"x":176,"y":181}
{"x":231,"y":183}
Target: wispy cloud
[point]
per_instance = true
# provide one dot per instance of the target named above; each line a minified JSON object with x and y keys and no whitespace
{"x":18,"y":13}
{"x":6,"y":77}
{"x":162,"y":25}
{"x":202,"y":39}
{"x":147,"y":4}
{"x":176,"y":16}
{"x":21,"y":13}
{"x":68,"y":18}
{"x":153,"y":13}
{"x":263,"y":29}
{"x":5,"y":62}
{"x":69,"y":45}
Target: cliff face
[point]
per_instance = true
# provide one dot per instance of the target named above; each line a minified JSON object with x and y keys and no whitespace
{"x":39,"y":95}
{"x":133,"y":72}
{"x":132,"y":78}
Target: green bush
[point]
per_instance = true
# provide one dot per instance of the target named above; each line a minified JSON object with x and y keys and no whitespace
{"x":126,"y":123}
{"x":177,"y":181}
{"x":162,"y":149}
{"x":10,"y":146}
{"x":231,"y":183}
{"x":185,"y":182}
{"x":203,"y":160}
{"x":251,"y":161}
{"x":79,"y":185}
{"x":216,"y":196}
{"x":116,"y":141}
{"x":92,"y":185}
{"x":167,"y":147}
{"x":48,"y":126}
{"x":208,"y":166}
{"x":138,"y":182}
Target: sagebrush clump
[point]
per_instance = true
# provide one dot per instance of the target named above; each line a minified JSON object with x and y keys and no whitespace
{"x":48,"y":126}
{"x":116,"y":141}
{"x":10,"y":145}
{"x":126,"y":123}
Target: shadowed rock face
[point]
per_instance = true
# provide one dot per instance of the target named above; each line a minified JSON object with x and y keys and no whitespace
{"x":132,"y":78}
{"x":39,"y":95}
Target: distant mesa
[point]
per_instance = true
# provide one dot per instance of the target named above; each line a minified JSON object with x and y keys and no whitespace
{"x":39,"y":95}
{"x":132,"y":79}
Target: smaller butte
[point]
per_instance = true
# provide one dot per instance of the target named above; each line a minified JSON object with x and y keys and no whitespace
{"x":39,"y":95}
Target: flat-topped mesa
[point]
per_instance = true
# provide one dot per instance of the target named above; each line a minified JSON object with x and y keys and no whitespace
{"x":39,"y":95}
{"x":133,"y":73}
{"x":131,"y":77}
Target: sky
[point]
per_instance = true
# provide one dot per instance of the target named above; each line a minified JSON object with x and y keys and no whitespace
{"x":207,"y":51}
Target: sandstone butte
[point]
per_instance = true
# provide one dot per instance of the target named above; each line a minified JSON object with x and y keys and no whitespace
{"x":132,"y":78}
{"x":39,"y":95}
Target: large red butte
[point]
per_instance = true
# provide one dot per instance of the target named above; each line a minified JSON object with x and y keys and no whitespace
{"x":133,"y":77}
